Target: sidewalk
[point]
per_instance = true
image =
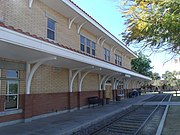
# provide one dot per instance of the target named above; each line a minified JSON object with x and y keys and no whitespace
{"x":68,"y":122}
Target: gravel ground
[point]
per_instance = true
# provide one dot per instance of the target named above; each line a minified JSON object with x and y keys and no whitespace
{"x":175,"y":99}
{"x":172,"y":123}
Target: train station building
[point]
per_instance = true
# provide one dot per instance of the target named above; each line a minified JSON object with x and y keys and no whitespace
{"x":53,"y":56}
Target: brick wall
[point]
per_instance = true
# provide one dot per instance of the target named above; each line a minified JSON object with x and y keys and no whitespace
{"x":34,"y":20}
{"x":85,"y":94}
{"x":90,"y":82}
{"x":48,"y":79}
{"x":49,"y":102}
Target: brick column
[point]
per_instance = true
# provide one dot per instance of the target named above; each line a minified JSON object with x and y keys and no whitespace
{"x":114,"y":95}
{"x":100,"y":94}
{"x":116,"y":91}
{"x":79,"y":99}
{"x":69,"y":100}
{"x":2,"y":101}
{"x":103,"y":94}
{"x":28,"y":107}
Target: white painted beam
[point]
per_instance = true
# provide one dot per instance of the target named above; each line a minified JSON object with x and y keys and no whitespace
{"x":30,"y":3}
{"x":99,"y":39}
{"x":71,"y":21}
{"x":75,"y":74}
{"x":30,"y":72}
{"x":101,"y":81}
{"x":102,"y":43}
{"x":82,"y":78}
{"x":80,"y":26}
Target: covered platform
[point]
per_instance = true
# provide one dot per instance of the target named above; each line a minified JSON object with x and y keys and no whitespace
{"x":68,"y":123}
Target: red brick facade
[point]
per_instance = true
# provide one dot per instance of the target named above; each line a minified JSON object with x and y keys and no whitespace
{"x":38,"y":104}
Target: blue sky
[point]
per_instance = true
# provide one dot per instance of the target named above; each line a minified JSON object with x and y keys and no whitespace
{"x":107,"y":13}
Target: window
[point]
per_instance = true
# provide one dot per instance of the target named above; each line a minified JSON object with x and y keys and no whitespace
{"x":118,"y":60}
{"x":51,"y":29}
{"x":82,"y":40}
{"x":12,"y":88}
{"x":88,"y":46}
{"x":106,"y":54}
{"x":93,"y":49}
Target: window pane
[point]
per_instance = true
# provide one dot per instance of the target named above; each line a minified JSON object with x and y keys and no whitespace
{"x":50,"y":34}
{"x":105,"y":54}
{"x":11,"y":101}
{"x":93,"y":46}
{"x":104,"y":51}
{"x":88,"y":50}
{"x":115,"y":61}
{"x":108,"y":53}
{"x":93,"y":52}
{"x":108,"y":58}
{"x":51,"y":24}
{"x":82,"y":40}
{"x":82,"y":47}
{"x":11,"y":74}
{"x":12,"y":87}
{"x":88,"y":42}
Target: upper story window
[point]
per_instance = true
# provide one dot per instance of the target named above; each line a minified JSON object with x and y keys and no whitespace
{"x":51,"y":28}
{"x":93,"y":49}
{"x":106,"y":54}
{"x":118,"y":60}
{"x":82,"y":40}
{"x":87,"y":45}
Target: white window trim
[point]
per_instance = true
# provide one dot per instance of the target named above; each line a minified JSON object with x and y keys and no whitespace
{"x":9,"y":78}
{"x":13,"y":79}
{"x":118,"y":58}
{"x":106,"y":50}
{"x":55,"y":22}
{"x":85,"y":45}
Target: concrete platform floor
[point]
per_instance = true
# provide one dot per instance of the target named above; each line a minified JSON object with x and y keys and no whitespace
{"x":67,"y":123}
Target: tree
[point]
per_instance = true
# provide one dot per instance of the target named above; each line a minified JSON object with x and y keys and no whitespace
{"x":155,"y":76}
{"x":142,"y":65}
{"x":156,"y":80}
{"x":172,"y":79}
{"x":155,"y":23}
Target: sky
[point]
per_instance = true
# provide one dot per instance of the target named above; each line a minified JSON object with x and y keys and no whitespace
{"x":108,"y":14}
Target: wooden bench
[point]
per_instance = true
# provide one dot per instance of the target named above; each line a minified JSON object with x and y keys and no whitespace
{"x":94,"y":100}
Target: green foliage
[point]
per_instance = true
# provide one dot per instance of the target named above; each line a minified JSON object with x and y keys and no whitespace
{"x":142,"y":65}
{"x":155,"y":76}
{"x":171,"y":78}
{"x":156,"y":80}
{"x":156,"y":23}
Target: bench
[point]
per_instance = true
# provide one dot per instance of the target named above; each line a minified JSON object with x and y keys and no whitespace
{"x":94,"y":100}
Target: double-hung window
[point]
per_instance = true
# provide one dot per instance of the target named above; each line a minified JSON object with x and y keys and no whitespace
{"x":118,"y":60}
{"x":106,"y":54}
{"x":82,"y":40}
{"x":12,"y":89}
{"x":51,"y":29}
{"x":93,"y":48}
{"x":88,"y":46}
